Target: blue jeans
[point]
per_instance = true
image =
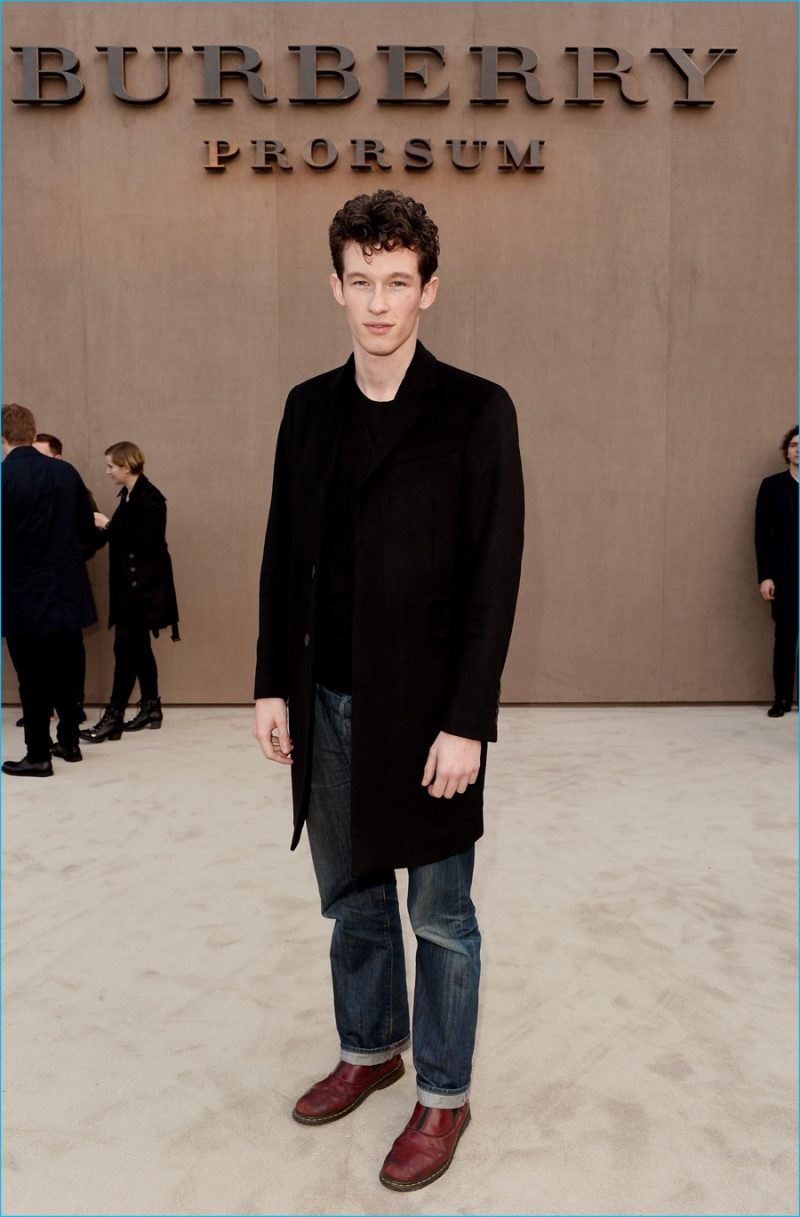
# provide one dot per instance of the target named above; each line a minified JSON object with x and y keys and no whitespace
{"x":367,"y":961}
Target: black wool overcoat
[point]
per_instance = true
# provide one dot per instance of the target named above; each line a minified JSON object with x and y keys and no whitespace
{"x":776,"y":529}
{"x":141,"y":585}
{"x":438,"y":546}
{"x":47,"y":517}
{"x":777,"y":536}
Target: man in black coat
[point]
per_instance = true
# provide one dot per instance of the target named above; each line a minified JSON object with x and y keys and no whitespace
{"x":47,"y":601}
{"x":388,"y":588}
{"x":776,"y":557}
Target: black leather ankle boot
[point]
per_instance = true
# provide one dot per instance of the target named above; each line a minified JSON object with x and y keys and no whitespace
{"x":150,"y":715}
{"x":108,"y":726}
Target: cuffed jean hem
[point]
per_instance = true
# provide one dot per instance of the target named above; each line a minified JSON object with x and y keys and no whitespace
{"x":429,"y":1098}
{"x":374,"y":1056}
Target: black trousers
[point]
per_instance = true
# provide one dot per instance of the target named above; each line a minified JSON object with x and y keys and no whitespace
{"x":784,"y":656}
{"x":50,"y":670}
{"x":133,"y":660}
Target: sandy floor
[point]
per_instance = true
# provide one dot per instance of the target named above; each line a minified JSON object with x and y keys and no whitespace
{"x":167,"y":993}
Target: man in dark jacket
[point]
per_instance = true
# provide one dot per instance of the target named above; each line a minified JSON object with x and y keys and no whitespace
{"x":776,"y":557}
{"x":46,"y":596}
{"x":388,"y":588}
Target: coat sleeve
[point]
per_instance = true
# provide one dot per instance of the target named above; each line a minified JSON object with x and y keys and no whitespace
{"x":91,"y":538}
{"x":272,"y":654}
{"x":765,"y":533}
{"x":491,"y":559}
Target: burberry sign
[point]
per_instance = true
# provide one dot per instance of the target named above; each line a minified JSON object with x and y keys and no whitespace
{"x":327,"y":76}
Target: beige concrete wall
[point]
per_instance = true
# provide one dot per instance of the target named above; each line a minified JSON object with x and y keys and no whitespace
{"x":637,"y":298}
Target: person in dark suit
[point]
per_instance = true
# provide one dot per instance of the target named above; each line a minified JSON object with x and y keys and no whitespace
{"x":776,"y":558}
{"x":141,"y":592}
{"x":46,"y":596}
{"x":51,"y":445}
{"x":388,"y":589}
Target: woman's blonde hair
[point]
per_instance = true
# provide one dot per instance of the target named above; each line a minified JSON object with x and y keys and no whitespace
{"x":126,"y":453}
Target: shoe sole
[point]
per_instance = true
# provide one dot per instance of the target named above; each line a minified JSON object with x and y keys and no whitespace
{"x":396,"y":1186}
{"x":388,"y":1080}
{"x":142,"y":726}
{"x":17,"y":773}
{"x":70,"y":760}
{"x":87,"y":739}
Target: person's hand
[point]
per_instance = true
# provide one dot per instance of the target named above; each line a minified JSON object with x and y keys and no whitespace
{"x":271,"y":729}
{"x":100,"y":521}
{"x":767,"y":589}
{"x":453,"y":764}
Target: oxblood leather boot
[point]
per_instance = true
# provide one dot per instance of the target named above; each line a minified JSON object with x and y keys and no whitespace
{"x":150,"y":715}
{"x":425,"y":1147}
{"x":341,"y":1091}
{"x":108,"y":726}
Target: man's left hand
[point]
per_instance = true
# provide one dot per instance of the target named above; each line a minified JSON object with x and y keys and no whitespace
{"x":453,"y":764}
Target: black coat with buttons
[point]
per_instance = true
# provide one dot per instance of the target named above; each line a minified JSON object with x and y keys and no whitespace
{"x":438,"y":546}
{"x":141,"y":586}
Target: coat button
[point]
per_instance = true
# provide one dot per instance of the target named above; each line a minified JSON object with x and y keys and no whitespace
{"x":133,"y":584}
{"x":307,"y":640}
{"x":133,"y":570}
{"x":313,"y":572}
{"x":131,"y":555}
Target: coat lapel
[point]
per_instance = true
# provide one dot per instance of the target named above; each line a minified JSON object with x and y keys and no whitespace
{"x":413,"y":399}
{"x":328,"y":437}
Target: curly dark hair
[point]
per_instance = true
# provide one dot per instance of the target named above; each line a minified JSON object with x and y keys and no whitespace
{"x":787,"y":439}
{"x":385,"y":220}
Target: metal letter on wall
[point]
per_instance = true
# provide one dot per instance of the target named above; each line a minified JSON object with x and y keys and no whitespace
{"x":418,"y":150}
{"x":695,"y":77}
{"x":311,"y":72}
{"x":116,"y":72}
{"x":266,"y":150}
{"x":399,"y":73}
{"x":491,"y":73}
{"x":530,"y":160}
{"x":368,"y":150}
{"x":588,"y":73}
{"x":219,"y":152}
{"x":33,"y":74}
{"x":213,"y":74}
{"x":309,"y":153}
{"x":457,"y":146}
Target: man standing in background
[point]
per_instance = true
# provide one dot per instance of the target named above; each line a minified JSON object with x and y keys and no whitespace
{"x":776,"y":557}
{"x":46,"y":596}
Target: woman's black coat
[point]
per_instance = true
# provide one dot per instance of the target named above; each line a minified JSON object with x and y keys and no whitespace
{"x":141,"y":587}
{"x":438,"y":544}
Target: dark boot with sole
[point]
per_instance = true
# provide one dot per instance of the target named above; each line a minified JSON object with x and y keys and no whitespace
{"x":150,"y":715}
{"x":108,"y":726}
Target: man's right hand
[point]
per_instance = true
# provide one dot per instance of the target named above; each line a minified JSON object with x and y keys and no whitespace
{"x":271,"y":729}
{"x":767,"y":589}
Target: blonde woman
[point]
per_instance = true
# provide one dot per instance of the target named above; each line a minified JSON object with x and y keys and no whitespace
{"x":142,"y":592}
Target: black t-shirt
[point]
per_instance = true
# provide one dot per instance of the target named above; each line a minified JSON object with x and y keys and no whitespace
{"x":334,"y":650}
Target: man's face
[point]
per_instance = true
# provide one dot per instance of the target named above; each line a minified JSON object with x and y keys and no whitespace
{"x":383,"y":297}
{"x":792,"y":452}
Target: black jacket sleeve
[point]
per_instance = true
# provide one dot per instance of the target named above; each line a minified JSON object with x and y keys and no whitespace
{"x":764,"y":533}
{"x":491,"y":558}
{"x":90,"y":538}
{"x":272,"y":656}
